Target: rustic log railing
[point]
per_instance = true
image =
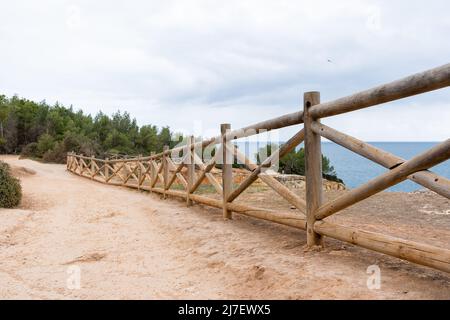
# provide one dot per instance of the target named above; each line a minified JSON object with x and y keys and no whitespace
{"x":158,"y":172}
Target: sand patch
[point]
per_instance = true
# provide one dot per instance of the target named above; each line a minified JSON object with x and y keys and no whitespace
{"x":20,"y":172}
{"x":133,"y":245}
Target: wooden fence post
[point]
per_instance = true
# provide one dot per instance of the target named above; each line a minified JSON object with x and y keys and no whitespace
{"x":80,"y":164}
{"x":227,"y":169}
{"x":165,"y":164}
{"x":313,"y":164}
{"x":315,"y":223}
{"x":92,"y":167}
{"x":190,"y":168}
{"x":106,"y":169}
{"x":139,"y":175}
{"x":153,"y":173}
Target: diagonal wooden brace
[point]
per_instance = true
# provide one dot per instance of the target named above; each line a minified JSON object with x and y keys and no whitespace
{"x":281,"y":152}
{"x":423,"y":161}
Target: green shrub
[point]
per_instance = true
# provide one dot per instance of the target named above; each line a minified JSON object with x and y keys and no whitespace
{"x":45,"y":143}
{"x":2,"y":142}
{"x":294,"y":163}
{"x":72,"y":142}
{"x":10,"y":189}
{"x":30,"y":150}
{"x":56,"y":155}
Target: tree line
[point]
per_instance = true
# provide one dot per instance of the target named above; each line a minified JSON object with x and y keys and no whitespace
{"x":50,"y":131}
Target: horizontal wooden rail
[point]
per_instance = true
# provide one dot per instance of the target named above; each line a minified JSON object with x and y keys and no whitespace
{"x":426,"y":81}
{"x":425,"y":160}
{"x":281,"y":152}
{"x":428,"y":179}
{"x":273,"y":183}
{"x":426,"y":255}
{"x":158,"y":172}
{"x":205,"y":170}
{"x":284,"y":218}
{"x":418,"y":83}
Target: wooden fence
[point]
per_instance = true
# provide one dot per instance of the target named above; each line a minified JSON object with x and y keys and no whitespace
{"x":187,"y":165}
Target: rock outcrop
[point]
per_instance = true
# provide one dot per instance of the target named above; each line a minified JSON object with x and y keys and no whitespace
{"x":299,"y":182}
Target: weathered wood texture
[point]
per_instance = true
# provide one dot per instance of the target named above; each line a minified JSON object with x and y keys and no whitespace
{"x":313,"y":170}
{"x":426,"y":178}
{"x":423,"y":254}
{"x":165,"y":166}
{"x":277,"y":186}
{"x":159,"y":172}
{"x":425,"y":160}
{"x":422,"y":82}
{"x":191,"y":169}
{"x":281,"y":152}
{"x":227,"y":169}
{"x":416,"y":84}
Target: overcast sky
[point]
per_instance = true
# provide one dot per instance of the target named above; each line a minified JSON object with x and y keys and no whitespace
{"x":201,"y":63}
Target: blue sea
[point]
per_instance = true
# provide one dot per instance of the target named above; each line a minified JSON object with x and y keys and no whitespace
{"x":356,"y":170}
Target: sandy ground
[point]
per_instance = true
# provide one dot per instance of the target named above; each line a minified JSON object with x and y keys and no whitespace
{"x":128,"y":244}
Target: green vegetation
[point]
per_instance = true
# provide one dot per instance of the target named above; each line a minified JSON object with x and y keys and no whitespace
{"x":38,"y":130}
{"x":10,"y":189}
{"x":294,"y":162}
{"x":41,"y":131}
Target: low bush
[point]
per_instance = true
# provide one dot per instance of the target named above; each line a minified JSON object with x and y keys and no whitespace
{"x":70,"y":143}
{"x":10,"y":188}
{"x":30,"y":150}
{"x":294,"y":163}
{"x":56,"y":155}
{"x":45,"y":143}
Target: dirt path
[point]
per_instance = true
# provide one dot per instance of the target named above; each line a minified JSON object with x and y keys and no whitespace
{"x":132,"y":245}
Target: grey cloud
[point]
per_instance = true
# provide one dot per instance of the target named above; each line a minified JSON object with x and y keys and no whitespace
{"x":216,"y":61}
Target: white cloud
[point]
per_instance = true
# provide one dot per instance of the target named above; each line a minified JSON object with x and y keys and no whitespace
{"x":176,"y":62}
